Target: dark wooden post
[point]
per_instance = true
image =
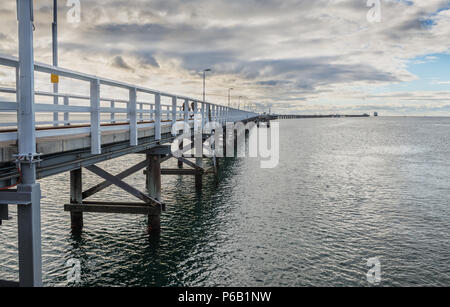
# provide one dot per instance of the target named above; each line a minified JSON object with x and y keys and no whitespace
{"x":154,"y":189}
{"x":76,"y":197}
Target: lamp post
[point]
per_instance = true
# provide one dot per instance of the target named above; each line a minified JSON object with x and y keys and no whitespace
{"x":204,"y":84}
{"x":229,"y":96}
{"x":55,"y":56}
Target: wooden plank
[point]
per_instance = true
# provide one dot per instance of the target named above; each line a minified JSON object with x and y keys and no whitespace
{"x":8,"y":284}
{"x":191,"y":164}
{"x":182,"y":172}
{"x":118,"y":208}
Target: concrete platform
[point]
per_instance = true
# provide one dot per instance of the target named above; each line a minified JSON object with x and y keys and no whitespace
{"x":75,"y":141}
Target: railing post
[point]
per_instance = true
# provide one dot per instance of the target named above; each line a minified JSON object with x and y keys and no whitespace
{"x":196,"y":128}
{"x":96,"y":137}
{"x":158,"y":117}
{"x":198,"y":134}
{"x":55,"y":102}
{"x":151,"y":112}
{"x":174,"y":110}
{"x":186,"y":110}
{"x":132,"y":115}
{"x":66,"y":114}
{"x":113,"y":114}
{"x":141,"y":113}
{"x":208,"y":113}
{"x":29,"y":216}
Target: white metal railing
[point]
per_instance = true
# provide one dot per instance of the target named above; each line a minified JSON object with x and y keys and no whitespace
{"x":136,"y":113}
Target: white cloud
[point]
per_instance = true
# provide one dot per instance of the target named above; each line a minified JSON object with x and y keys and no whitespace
{"x":295,"y":55}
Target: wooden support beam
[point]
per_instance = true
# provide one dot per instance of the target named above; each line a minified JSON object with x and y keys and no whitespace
{"x":124,"y":186}
{"x":9,"y":284}
{"x":160,"y":150}
{"x":199,"y":177}
{"x":191,"y":164}
{"x":154,"y":188}
{"x":118,"y":208}
{"x":181,"y":172}
{"x":76,"y":189}
{"x":3,"y":213}
{"x":123,"y":175}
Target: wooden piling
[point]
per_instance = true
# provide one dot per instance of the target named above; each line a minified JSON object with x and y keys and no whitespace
{"x":76,"y":197}
{"x":199,"y":176}
{"x":154,"y":189}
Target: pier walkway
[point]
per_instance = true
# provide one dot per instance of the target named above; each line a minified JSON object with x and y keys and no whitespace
{"x":45,"y":134}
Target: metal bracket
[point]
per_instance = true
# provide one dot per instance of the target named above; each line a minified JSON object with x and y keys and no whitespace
{"x":30,"y":158}
{"x":13,"y":197}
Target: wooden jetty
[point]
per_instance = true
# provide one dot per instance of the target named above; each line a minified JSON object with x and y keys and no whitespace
{"x":32,"y":149}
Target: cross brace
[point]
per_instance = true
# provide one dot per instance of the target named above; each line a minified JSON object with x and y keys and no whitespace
{"x":124,"y":186}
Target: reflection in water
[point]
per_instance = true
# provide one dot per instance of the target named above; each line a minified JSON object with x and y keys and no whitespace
{"x":345,"y":190}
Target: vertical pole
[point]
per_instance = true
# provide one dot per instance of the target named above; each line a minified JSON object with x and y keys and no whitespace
{"x":158,"y":117}
{"x":208,"y":112}
{"x":113,"y":114}
{"x":132,"y":115}
{"x":29,"y":216}
{"x":76,"y":197}
{"x":204,"y":85}
{"x":174,"y":111}
{"x":198,"y":143}
{"x":55,"y":56}
{"x":141,"y":113}
{"x":154,"y":189}
{"x":151,"y":112}
{"x":203,"y":115}
{"x":198,"y":132}
{"x":198,"y":175}
{"x":66,"y":114}
{"x":186,"y":111}
{"x":96,"y":145}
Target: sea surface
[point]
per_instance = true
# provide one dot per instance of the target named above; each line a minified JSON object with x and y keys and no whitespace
{"x":346,"y":190}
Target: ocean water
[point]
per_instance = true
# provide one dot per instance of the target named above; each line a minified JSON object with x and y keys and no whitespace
{"x":345,"y":191}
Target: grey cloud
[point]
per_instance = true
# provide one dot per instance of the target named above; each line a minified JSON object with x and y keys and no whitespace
{"x":282,"y":51}
{"x":119,"y":62}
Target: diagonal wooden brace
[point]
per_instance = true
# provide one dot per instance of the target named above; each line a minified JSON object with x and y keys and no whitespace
{"x":124,"y":186}
{"x":190,"y":163}
{"x":123,"y":175}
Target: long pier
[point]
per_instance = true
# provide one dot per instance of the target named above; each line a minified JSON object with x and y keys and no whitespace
{"x":87,"y":130}
{"x":316,"y":116}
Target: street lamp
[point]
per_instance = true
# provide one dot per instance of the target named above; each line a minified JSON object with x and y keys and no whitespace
{"x":229,"y":97}
{"x":204,"y":83}
{"x":239,"y":105}
{"x":55,"y":56}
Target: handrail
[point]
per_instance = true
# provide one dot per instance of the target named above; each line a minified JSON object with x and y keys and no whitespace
{"x":12,"y":61}
{"x":135,"y":110}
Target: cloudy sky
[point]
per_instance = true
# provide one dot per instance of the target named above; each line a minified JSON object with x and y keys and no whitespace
{"x":295,"y":56}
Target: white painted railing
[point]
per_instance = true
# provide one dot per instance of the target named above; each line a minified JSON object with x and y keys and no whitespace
{"x":136,"y":113}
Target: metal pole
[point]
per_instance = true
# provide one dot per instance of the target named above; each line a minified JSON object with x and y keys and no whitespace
{"x":204,"y":84}
{"x":55,"y":56}
{"x":229,"y":96}
{"x":29,"y":216}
